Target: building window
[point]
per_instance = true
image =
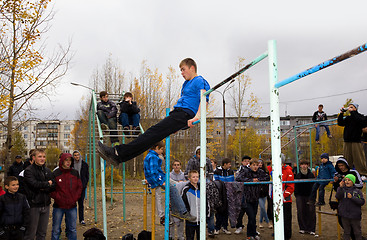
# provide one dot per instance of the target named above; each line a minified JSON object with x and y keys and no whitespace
{"x":67,"y":127}
{"x":66,"y":135}
{"x":66,"y":144}
{"x":25,"y":128}
{"x":25,"y":136}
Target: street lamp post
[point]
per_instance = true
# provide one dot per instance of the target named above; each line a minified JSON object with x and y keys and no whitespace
{"x":81,"y":85}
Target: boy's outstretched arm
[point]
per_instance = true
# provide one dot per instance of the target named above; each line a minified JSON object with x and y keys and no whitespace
{"x":197,"y":117}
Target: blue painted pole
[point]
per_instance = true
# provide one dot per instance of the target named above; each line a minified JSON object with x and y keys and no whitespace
{"x":323,"y":65}
{"x":166,"y":206}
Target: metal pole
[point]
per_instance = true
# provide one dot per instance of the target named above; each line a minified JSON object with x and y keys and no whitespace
{"x":296,"y":144}
{"x":275,"y":143}
{"x":111,"y":185}
{"x":94,"y":157}
{"x":153,"y":214}
{"x":90,"y":160}
{"x":123,"y":187}
{"x":167,"y":188}
{"x":310,"y":148}
{"x":145,"y":210}
{"x":224,"y":127}
{"x":323,"y":65}
{"x":102,"y":162}
{"x":202,"y":166}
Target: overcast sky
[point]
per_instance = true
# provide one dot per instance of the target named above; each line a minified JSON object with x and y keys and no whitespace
{"x":215,"y":34}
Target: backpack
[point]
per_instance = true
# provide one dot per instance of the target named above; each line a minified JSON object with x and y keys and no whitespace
{"x":145,"y":235}
{"x":212,"y":196}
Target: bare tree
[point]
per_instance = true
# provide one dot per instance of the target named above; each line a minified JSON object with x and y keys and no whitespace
{"x":27,"y":73}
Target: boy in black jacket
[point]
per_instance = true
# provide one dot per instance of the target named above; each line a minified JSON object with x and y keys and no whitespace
{"x":14,"y":211}
{"x":129,"y":113}
{"x":350,"y":202}
{"x":252,"y":194}
{"x":306,"y":214}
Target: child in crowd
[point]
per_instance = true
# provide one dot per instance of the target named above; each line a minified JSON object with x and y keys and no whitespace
{"x":254,"y":174}
{"x":129,"y":113}
{"x":306,"y":214}
{"x":264,"y":194}
{"x":342,"y":169}
{"x":350,"y":202}
{"x":326,"y":171}
{"x":194,"y":164}
{"x":191,"y":198}
{"x":156,"y":178}
{"x":14,"y":211}
{"x":107,"y":112}
{"x":245,"y":166}
{"x":225,"y":174}
{"x":67,"y":192}
{"x":178,"y":176}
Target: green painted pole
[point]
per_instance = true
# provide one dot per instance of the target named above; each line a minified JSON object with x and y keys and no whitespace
{"x":94,"y":156}
{"x":296,"y":145}
{"x":90,"y":159}
{"x":310,"y":130}
{"x":123,"y":188}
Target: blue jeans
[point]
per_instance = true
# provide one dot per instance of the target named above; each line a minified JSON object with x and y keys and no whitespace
{"x":210,"y":221}
{"x":110,"y":122}
{"x":321,"y":187}
{"x":129,"y":119}
{"x":318,"y":131}
{"x":263,"y":214}
{"x":177,"y":204}
{"x":70,"y":221}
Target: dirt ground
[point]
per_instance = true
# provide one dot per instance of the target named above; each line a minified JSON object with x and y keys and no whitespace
{"x":117,"y":227}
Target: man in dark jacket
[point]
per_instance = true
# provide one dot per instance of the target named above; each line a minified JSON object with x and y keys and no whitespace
{"x":38,"y":183}
{"x":353,"y":149}
{"x":67,"y":192}
{"x":83,"y":169}
{"x":306,"y":214}
{"x":107,"y":112}
{"x":194,"y":164}
{"x":129,"y":113}
{"x":17,"y":167}
{"x":320,"y":116}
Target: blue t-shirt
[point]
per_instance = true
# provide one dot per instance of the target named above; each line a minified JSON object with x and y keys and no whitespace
{"x":190,"y":93}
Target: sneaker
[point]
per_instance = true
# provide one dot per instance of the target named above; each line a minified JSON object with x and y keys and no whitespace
{"x":270,"y":225}
{"x":312,"y":233}
{"x":257,"y":233}
{"x":187,"y":216}
{"x":320,"y":203}
{"x":330,"y":136}
{"x":211,"y":234}
{"x":260,"y":225}
{"x":302,"y":231}
{"x":82,"y":222}
{"x":162,"y":220}
{"x":136,"y":130}
{"x":226,"y":231}
{"x":108,"y":153}
{"x":238,"y":230}
{"x":104,"y":126}
{"x":310,"y":202}
{"x":216,"y":232}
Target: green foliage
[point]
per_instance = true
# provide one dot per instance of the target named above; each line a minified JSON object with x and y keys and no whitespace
{"x":19,"y":146}
{"x":52,"y":155}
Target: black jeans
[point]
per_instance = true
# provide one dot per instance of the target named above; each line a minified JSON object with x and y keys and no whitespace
{"x":81,"y":205}
{"x":287,"y":212}
{"x":191,"y":230}
{"x":306,"y":214}
{"x":13,"y":233}
{"x":221,"y":220}
{"x":251,"y":211}
{"x":110,"y":122}
{"x":176,"y":120}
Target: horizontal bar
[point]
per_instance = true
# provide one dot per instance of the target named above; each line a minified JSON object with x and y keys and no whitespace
{"x":323,"y":65}
{"x":239,"y":72}
{"x":123,"y":192}
{"x":313,"y":123}
{"x":295,"y":181}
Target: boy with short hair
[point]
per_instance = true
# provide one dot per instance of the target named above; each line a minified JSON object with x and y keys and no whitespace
{"x":178,"y":176}
{"x":223,"y":173}
{"x":320,"y":116}
{"x":107,"y":112}
{"x":184,"y":114}
{"x":326,"y":171}
{"x":350,"y":202}
{"x":129,"y":113}
{"x":67,"y":192}
{"x":252,"y":194}
{"x":306,"y":214}
{"x":342,"y":169}
{"x":14,"y":211}
{"x":191,"y":198}
{"x":156,"y":178}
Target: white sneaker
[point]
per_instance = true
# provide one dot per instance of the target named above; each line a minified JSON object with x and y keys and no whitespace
{"x":216,"y":232}
{"x":226,"y":231}
{"x":260,"y":225}
{"x":301,"y":231}
{"x":270,"y":225}
{"x":238,"y":230}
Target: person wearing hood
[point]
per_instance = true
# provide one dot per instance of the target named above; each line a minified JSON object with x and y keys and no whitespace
{"x":342,"y":169}
{"x":17,"y":167}
{"x":67,"y":192}
{"x":83,"y":170}
{"x":194,"y":164}
{"x":349,"y":208}
{"x":353,"y":148}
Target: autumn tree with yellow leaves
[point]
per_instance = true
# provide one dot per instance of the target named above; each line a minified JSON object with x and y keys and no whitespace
{"x":26,"y":71}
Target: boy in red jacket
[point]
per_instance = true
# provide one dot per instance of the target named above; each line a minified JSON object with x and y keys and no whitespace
{"x":67,"y":192}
